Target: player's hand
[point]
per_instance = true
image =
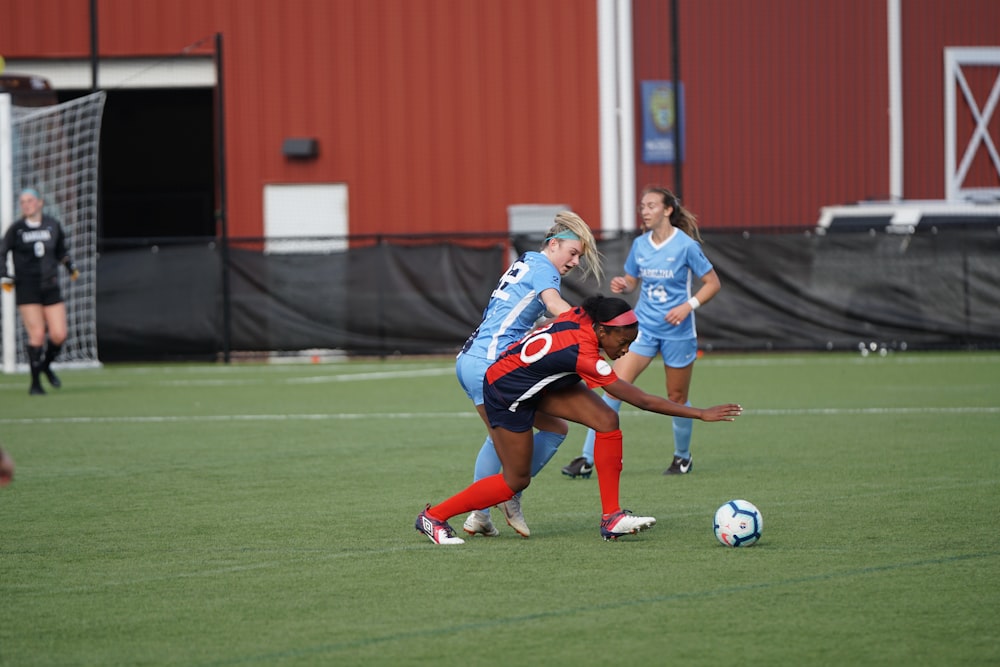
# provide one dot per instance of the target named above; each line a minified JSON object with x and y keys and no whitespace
{"x":619,"y":284}
{"x":7,"y":284}
{"x":678,"y":314}
{"x":75,"y":274}
{"x":722,"y":413}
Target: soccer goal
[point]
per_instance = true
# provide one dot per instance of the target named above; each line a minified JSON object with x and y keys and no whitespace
{"x":55,"y":149}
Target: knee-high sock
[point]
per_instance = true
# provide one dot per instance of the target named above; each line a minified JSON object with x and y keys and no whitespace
{"x":487,"y":462}
{"x":682,"y":435}
{"x":546,"y":444}
{"x":588,"y":443}
{"x":484,"y":493}
{"x":51,"y":352}
{"x":35,"y":361}
{"x":608,"y":460}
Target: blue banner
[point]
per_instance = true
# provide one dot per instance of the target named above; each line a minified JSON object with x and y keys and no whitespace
{"x":658,"y":122}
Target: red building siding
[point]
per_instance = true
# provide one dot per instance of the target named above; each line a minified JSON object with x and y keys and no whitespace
{"x":929,"y":27}
{"x":439,"y":114}
{"x":785,"y":105}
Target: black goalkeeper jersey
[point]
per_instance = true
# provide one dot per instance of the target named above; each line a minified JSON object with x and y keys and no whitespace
{"x":37,"y":251}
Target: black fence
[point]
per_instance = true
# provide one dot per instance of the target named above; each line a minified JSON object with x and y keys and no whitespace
{"x":795,"y":291}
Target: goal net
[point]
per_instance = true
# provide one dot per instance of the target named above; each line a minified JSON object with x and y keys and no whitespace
{"x":54,"y":149}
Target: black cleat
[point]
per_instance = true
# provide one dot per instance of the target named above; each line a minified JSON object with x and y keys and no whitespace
{"x":578,"y":467}
{"x":679,"y":466}
{"x":53,"y":378}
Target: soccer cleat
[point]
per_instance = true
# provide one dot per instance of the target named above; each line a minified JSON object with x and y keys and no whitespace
{"x":578,"y":467}
{"x":479,"y":523}
{"x":439,"y":532}
{"x":515,"y":519}
{"x":679,"y":466}
{"x":36,"y":388}
{"x":53,"y":378}
{"x":623,"y":522}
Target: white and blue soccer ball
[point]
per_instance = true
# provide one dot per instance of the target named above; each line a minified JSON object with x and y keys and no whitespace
{"x":738,"y":523}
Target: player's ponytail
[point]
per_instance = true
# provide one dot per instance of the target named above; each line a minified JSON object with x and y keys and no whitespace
{"x":569,"y":225}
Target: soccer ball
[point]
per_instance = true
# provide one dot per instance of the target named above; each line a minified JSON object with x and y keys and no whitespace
{"x":738,"y":523}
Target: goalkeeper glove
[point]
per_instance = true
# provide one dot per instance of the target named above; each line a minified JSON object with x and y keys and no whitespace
{"x":74,"y":274}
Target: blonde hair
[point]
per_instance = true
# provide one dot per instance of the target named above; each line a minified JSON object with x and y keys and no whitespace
{"x":568,"y":221}
{"x":680,"y":217}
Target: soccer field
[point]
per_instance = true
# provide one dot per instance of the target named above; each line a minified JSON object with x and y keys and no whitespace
{"x":260,"y":514}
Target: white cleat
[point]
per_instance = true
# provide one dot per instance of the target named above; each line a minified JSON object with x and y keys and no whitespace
{"x":623,"y":522}
{"x":479,"y":523}
{"x":515,"y":518}
{"x":439,"y":532}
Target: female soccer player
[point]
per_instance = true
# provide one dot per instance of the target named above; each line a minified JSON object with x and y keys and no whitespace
{"x":662,"y":261}
{"x":528,"y":289}
{"x":39,"y":246}
{"x":554,"y":370}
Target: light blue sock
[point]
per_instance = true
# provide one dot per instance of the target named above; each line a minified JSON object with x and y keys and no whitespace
{"x":546,"y":444}
{"x":588,"y":442}
{"x":682,"y":435}
{"x":487,"y":463}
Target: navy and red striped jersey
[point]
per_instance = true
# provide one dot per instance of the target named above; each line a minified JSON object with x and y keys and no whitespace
{"x":557,"y":355}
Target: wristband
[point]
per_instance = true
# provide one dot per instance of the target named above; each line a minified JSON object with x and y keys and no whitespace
{"x":694,"y":303}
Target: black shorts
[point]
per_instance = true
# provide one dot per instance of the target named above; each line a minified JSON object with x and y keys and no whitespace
{"x":47,"y":294}
{"x":518,"y":420}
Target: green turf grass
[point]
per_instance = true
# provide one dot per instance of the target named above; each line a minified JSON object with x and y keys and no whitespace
{"x":263,"y":515}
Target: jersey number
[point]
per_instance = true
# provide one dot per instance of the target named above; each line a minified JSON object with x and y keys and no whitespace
{"x":543,"y":339}
{"x":656,"y":293}
{"x":514,"y":275}
{"x":39,"y":249}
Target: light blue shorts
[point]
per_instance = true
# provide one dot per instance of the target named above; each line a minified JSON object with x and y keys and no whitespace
{"x":471,"y":371}
{"x":675,"y":353}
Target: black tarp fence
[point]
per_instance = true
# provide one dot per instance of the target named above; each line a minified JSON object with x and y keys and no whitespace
{"x":795,"y":291}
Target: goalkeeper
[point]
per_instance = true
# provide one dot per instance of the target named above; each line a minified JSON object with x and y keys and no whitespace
{"x":38,"y":245}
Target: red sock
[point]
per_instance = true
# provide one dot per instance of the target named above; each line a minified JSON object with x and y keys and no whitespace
{"x":608,"y":460}
{"x":487,"y":492}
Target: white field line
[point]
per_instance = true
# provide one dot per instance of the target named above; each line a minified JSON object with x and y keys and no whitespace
{"x":346,"y":416}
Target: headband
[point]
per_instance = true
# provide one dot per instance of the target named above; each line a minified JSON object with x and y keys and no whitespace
{"x":565,"y":234}
{"x":31,"y":191}
{"x":623,"y":320}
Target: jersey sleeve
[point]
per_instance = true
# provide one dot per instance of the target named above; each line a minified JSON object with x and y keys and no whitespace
{"x":6,"y":244}
{"x":592,"y":368}
{"x":631,"y":263}
{"x":61,"y":253}
{"x":697,"y":261}
{"x":546,"y":276}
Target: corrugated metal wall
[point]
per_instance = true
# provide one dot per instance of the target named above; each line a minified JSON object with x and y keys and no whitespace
{"x":929,"y":26}
{"x":440,"y":113}
{"x":437,"y":113}
{"x":785,"y":105}
{"x":787,"y":102}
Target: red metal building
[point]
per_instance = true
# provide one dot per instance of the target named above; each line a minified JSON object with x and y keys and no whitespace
{"x":439,"y":114}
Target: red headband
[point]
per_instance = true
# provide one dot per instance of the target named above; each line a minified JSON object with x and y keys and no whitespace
{"x":623,"y":320}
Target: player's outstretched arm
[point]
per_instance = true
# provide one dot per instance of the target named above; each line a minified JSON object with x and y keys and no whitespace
{"x":629,"y":393}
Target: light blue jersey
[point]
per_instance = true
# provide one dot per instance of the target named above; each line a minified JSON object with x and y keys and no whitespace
{"x":514,"y":306}
{"x":665,"y":271}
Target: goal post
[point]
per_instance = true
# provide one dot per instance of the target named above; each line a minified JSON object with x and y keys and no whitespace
{"x":55,"y":150}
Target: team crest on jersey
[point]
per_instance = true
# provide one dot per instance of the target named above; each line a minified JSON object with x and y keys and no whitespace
{"x":603,"y":367}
